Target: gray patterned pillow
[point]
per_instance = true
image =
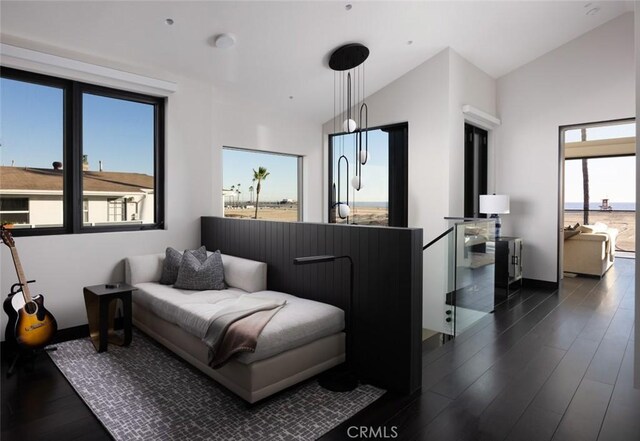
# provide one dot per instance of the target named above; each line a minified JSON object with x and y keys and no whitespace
{"x":200,"y":276}
{"x":172,"y":261}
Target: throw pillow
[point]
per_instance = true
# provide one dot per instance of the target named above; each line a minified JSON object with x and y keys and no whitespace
{"x":172,"y":262}
{"x":588,"y":229}
{"x":200,"y":276}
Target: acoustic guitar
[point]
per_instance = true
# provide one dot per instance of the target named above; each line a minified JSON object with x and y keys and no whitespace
{"x":30,"y":324}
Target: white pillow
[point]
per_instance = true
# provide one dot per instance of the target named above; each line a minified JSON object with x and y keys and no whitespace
{"x":146,"y":268}
{"x":249,"y":275}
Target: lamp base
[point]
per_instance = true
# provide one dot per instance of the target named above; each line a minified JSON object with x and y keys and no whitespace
{"x":339,"y":380}
{"x":498,"y":224}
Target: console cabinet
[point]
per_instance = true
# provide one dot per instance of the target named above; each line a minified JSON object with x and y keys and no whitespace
{"x":508,"y":268}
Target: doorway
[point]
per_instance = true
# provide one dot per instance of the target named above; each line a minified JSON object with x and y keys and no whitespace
{"x":475,"y":169}
{"x":597,"y":196}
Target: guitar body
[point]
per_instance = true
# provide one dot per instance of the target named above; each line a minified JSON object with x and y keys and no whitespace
{"x":35,"y":326}
{"x":30,"y":325}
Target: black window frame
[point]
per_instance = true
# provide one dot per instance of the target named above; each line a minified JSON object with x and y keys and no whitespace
{"x":72,"y":152}
{"x":398,"y":172}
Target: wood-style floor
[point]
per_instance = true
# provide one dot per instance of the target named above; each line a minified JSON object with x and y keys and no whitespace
{"x":546,"y":366}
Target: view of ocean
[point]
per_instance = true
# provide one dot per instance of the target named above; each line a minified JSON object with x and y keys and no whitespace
{"x":595,"y":206}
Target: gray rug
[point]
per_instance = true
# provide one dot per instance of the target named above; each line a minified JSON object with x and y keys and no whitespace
{"x":144,"y":393}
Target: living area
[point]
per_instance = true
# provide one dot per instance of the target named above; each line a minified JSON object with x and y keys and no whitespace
{"x":227,"y":204}
{"x":599,"y":196}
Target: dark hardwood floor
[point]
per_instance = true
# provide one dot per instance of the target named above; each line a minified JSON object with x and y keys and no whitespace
{"x":545,"y":366}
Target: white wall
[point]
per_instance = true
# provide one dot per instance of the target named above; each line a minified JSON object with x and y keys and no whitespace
{"x":430,"y":99}
{"x":468,"y":85}
{"x":251,"y":126}
{"x":588,"y":79}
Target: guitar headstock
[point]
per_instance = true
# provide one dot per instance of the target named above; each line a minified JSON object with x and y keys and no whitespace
{"x":7,"y":238}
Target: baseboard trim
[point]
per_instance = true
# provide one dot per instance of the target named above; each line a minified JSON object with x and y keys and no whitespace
{"x":539,"y":284}
{"x":66,"y":334}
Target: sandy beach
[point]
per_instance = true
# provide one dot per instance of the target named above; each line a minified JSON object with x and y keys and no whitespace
{"x":624,"y":221}
{"x":289,"y":213}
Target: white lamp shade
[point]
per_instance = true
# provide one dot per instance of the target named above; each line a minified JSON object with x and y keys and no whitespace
{"x":356,"y":182}
{"x":344,"y":210}
{"x":364,"y":156}
{"x":494,"y":204}
{"x":349,"y":125}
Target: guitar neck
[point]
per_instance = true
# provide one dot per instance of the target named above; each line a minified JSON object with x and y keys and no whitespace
{"x":21,"y":277}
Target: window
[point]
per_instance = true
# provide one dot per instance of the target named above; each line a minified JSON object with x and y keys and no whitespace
{"x":85,"y":210}
{"x":85,"y":158}
{"x":261,"y":185}
{"x":32,"y":147}
{"x":14,"y":210}
{"x":382,"y":198}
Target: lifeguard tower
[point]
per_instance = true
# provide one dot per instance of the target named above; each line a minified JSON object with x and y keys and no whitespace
{"x":605,"y":205}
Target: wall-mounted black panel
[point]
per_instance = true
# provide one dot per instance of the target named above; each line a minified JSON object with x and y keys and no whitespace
{"x":387,"y":291}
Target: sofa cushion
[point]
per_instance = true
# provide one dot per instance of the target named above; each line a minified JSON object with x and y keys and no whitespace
{"x":196,"y":275}
{"x":172,"y":262}
{"x":248,"y":275}
{"x":570,"y":233}
{"x":145,"y":268}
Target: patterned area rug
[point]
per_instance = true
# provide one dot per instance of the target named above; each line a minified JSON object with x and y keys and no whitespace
{"x":143,"y":392}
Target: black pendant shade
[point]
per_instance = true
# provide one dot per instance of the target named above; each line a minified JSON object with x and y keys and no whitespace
{"x":348,"y":56}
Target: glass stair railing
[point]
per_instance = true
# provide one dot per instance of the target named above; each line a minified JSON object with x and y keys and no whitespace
{"x":459,"y":273}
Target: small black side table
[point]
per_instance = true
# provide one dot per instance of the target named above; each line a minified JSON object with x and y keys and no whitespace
{"x":100,"y":302}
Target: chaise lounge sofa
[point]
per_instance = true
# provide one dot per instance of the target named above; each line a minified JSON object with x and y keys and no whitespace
{"x":303,"y":339}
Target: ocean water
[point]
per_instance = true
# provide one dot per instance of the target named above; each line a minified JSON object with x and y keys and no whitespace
{"x":595,"y":206}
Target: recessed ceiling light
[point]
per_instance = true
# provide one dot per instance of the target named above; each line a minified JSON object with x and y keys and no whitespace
{"x":593,"y":11}
{"x":348,"y":6}
{"x":225,"y":41}
{"x":169,"y":21}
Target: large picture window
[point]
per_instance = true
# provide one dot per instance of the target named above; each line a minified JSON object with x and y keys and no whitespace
{"x":382,"y":198}
{"x":79,"y":157}
{"x":261,"y":185}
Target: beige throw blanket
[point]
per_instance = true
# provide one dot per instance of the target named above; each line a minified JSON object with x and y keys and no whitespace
{"x":237,"y":327}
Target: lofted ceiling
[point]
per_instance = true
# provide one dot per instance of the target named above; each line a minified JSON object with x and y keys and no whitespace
{"x":282,"y":48}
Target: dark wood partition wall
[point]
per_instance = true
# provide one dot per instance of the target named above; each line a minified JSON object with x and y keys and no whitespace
{"x":388,"y":283}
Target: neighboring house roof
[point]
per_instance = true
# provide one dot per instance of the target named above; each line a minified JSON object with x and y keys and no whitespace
{"x":23,"y":178}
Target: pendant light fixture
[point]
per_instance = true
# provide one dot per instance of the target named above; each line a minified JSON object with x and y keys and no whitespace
{"x":347,"y":62}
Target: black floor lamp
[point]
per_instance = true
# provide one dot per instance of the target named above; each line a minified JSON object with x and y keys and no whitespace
{"x":344,"y":379}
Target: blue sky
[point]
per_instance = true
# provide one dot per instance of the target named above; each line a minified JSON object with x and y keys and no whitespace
{"x":282,"y":182}
{"x":118,"y":132}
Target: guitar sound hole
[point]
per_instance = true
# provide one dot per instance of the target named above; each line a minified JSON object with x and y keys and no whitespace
{"x":31,"y":307}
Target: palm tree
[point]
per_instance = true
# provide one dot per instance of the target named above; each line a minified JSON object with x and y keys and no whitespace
{"x":259,"y":176}
{"x":585,"y":183}
{"x":239,"y":194}
{"x":233,"y":191}
{"x":251,"y":194}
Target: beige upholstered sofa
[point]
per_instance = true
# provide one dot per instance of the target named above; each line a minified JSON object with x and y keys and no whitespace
{"x":591,"y":251}
{"x":303,"y":339}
